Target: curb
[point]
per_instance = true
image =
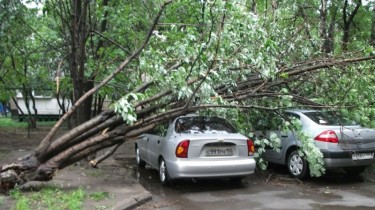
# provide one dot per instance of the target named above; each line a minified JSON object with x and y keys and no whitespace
{"x":133,"y":202}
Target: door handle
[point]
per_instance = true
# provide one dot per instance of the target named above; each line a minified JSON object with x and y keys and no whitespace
{"x":158,"y":141}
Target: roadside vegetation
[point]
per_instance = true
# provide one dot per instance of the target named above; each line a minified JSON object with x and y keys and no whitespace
{"x":8,"y":122}
{"x":52,"y":197}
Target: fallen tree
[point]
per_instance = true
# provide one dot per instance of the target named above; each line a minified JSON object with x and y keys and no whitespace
{"x":109,"y":130}
{"x":112,"y":128}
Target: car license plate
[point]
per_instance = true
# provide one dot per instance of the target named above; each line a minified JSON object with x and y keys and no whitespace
{"x":362,"y":156}
{"x":219,"y":152}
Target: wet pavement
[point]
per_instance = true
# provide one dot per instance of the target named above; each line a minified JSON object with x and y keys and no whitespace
{"x":271,"y":190}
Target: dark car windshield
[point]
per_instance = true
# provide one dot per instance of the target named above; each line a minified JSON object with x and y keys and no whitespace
{"x":199,"y":124}
{"x":328,"y":118}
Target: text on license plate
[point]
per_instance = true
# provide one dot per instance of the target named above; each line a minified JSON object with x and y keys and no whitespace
{"x":362,"y":156}
{"x":219,"y":151}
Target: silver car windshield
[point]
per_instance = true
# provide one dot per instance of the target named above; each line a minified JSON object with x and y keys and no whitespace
{"x":328,"y":118}
{"x":199,"y":124}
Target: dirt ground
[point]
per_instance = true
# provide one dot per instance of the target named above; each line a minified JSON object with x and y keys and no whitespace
{"x":108,"y":177}
{"x":17,"y":138}
{"x":14,"y":142}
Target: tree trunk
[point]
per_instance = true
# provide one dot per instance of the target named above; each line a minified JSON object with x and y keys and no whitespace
{"x":372,"y":38}
{"x":327,"y":35}
{"x":252,"y":5}
{"x":347,"y":21}
{"x":98,"y":104}
{"x":323,"y":26}
{"x":329,"y":44}
{"x":34,"y":117}
{"x":17,"y":105}
{"x":78,"y":36}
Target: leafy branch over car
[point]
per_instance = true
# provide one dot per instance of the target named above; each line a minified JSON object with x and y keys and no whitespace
{"x":319,"y":140}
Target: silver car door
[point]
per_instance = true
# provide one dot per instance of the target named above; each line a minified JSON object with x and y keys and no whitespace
{"x":154,"y":144}
{"x":287,"y":138}
{"x":284,"y":142}
{"x":143,"y":146}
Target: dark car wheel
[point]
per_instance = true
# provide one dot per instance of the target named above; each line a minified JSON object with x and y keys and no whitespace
{"x":354,"y":171}
{"x":163,"y":173}
{"x":297,"y":165}
{"x":141,"y":163}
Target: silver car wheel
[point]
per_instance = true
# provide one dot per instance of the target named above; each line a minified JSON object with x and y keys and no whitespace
{"x":296,"y":165}
{"x":163,"y":173}
{"x":138,"y":159}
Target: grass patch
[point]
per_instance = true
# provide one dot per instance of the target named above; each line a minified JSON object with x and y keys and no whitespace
{"x":2,"y":201}
{"x":98,"y":196}
{"x":49,"y":197}
{"x":46,"y":123}
{"x":7,"y":122}
{"x":95,"y":173}
{"x":52,"y":197}
{"x":371,"y":168}
{"x":3,"y":153}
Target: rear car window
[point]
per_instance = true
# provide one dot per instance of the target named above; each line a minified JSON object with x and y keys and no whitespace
{"x":328,"y":118}
{"x":199,"y":124}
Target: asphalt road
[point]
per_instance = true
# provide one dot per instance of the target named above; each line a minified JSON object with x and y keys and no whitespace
{"x":273,"y":189}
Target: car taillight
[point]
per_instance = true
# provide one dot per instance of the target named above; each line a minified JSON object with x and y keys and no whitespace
{"x":250,"y":147}
{"x":327,"y":136}
{"x":182,"y":149}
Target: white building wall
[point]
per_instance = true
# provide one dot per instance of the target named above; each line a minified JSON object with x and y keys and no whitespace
{"x":45,"y":105}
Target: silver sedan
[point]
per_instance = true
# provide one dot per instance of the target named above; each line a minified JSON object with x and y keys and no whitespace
{"x":343,"y":144}
{"x":197,"y":147}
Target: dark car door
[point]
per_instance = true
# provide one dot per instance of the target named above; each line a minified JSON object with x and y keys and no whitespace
{"x":287,"y":138}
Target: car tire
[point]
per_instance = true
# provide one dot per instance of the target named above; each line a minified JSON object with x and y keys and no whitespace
{"x":163,"y":173}
{"x":354,"y":171}
{"x":141,"y":163}
{"x":297,"y":165}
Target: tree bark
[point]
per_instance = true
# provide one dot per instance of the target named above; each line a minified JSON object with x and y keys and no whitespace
{"x":323,"y":26}
{"x":347,"y":21}
{"x":372,"y":37}
{"x":329,"y":44}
